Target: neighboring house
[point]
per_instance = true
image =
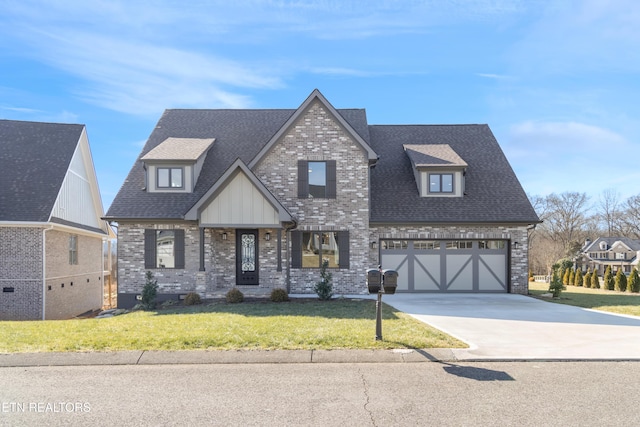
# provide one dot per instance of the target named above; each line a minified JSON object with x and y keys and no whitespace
{"x":51,"y":231}
{"x":257,"y":199}
{"x":614,"y":252}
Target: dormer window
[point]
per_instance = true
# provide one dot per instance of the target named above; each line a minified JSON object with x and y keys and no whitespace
{"x":170,"y":177}
{"x":439,"y":171}
{"x":175,"y":164}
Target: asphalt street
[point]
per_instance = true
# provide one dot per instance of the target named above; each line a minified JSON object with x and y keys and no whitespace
{"x":325,"y":394}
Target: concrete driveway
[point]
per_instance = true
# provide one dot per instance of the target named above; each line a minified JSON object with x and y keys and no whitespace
{"x":517,"y":327}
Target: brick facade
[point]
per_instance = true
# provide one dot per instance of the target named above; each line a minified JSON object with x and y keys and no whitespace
{"x":71,"y":290}
{"x":20,"y":271}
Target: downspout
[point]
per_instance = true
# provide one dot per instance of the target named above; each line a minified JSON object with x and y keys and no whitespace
{"x":44,"y":270}
{"x":287,"y":230}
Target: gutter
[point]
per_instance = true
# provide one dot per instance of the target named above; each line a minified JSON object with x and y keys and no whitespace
{"x":44,"y":269}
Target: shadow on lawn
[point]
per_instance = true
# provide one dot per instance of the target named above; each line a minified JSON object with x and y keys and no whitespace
{"x":312,"y":307}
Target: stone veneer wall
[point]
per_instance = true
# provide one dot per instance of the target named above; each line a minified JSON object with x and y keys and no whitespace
{"x":519,"y":271}
{"x":71,"y":290}
{"x":21,"y":269}
{"x":317,"y":136}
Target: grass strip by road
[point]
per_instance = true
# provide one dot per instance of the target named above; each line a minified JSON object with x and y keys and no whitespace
{"x":264,"y":325}
{"x":597,"y":299}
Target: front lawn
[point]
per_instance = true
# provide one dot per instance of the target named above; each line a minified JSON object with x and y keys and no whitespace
{"x":598,"y":299}
{"x":297,"y":324}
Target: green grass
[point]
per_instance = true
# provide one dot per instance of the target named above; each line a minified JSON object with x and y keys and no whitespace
{"x":298,"y":324}
{"x":598,"y":299}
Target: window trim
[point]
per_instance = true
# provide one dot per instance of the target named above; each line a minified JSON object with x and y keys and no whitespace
{"x":150,"y":249}
{"x":440,"y":176}
{"x":297,"y":243}
{"x":73,"y":249}
{"x":330,"y":179}
{"x":170,"y":169}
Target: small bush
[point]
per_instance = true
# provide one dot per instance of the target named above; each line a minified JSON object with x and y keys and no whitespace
{"x":192,"y":298}
{"x":555,"y":287}
{"x":324,"y":288}
{"x":149,"y":292}
{"x":609,"y":282}
{"x":579,"y":279}
{"x":279,"y":295}
{"x":234,"y":296}
{"x":620,"y":281}
{"x":595,"y":280}
{"x":634,"y":281}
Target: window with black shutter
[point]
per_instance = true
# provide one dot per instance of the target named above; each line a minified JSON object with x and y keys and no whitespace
{"x":163,"y":249}
{"x":317,"y":179}
{"x":310,"y":248}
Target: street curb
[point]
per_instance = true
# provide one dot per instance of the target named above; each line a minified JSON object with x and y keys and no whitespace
{"x":194,"y":357}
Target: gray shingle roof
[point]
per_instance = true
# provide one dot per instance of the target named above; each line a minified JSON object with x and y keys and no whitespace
{"x":34,"y":158}
{"x":238,"y":134}
{"x":492,"y":191}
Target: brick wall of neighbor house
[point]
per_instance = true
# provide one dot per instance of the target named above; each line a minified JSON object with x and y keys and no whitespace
{"x":317,"y":136}
{"x":21,"y":269}
{"x":220,"y":263}
{"x":519,"y":261}
{"x":71,"y":290}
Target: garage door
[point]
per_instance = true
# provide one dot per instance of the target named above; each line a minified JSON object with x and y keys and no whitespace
{"x":447,"y":265}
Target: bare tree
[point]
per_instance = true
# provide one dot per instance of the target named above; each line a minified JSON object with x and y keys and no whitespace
{"x":566,"y":218}
{"x":629,"y":223}
{"x":608,"y":212}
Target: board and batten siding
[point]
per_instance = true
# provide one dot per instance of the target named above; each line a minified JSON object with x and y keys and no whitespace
{"x":240,"y":203}
{"x":75,"y":201}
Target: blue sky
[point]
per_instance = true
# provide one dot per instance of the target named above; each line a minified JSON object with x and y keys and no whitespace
{"x":557,"y":81}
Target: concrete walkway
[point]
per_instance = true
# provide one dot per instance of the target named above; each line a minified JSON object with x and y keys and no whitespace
{"x":517,"y":327}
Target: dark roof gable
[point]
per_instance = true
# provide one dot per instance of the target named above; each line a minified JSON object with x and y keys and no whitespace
{"x":34,"y":159}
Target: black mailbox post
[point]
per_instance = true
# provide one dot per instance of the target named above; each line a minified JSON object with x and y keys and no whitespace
{"x":378,"y":282}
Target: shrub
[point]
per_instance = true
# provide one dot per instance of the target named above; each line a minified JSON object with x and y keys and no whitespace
{"x":324,"y":288}
{"x":234,"y":296}
{"x":565,"y":277}
{"x":579,"y":278}
{"x":192,"y":298}
{"x":621,"y":281}
{"x":609,"y":282}
{"x":634,"y":281}
{"x":572,"y":277}
{"x":149,"y":292}
{"x":556,"y":286}
{"x":595,"y":280}
{"x":279,"y":295}
{"x":587,"y":279}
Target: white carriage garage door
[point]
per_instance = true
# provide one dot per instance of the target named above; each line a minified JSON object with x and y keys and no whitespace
{"x":447,"y":265}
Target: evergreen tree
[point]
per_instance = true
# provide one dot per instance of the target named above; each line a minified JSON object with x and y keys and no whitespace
{"x":634,"y":281}
{"x":608,"y":279}
{"x":572,"y":277}
{"x":595,"y":280}
{"x":587,"y":279}
{"x":579,"y":278}
{"x":565,"y":277}
{"x":621,"y":281}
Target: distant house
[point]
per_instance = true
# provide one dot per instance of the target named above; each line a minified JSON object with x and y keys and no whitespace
{"x":259,"y":199}
{"x":51,"y":231}
{"x":615,"y":252}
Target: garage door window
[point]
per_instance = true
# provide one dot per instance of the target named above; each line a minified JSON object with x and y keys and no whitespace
{"x":491,"y":244}
{"x":460,"y":244}
{"x":395,"y":244}
{"x":426,"y":245}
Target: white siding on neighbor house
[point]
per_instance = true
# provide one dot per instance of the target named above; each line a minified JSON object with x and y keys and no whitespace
{"x":240,"y":203}
{"x":76,"y":202}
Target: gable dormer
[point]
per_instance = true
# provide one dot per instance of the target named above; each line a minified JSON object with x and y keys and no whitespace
{"x":439,"y":171}
{"x":175,"y":164}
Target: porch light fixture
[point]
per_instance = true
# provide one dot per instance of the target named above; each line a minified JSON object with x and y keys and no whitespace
{"x":224,"y":236}
{"x":515,"y":245}
{"x":374,"y":245}
{"x":267,"y":236}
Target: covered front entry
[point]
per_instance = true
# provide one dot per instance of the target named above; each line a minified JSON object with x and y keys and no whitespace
{"x":447,"y":265}
{"x":247,"y":257}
